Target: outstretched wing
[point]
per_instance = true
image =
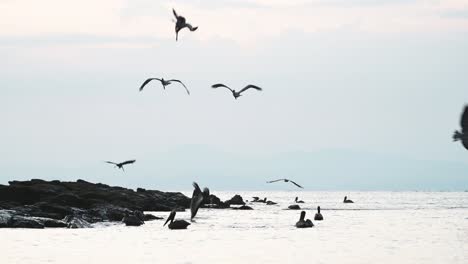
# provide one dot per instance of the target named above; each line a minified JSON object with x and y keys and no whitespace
{"x":296,"y":184}
{"x":275,"y":180}
{"x":175,"y":14}
{"x":197,"y":199}
{"x":192,"y":28}
{"x":127,"y":162}
{"x":174,"y":80}
{"x":464,"y":120}
{"x":250,"y":86}
{"x":110,"y":162}
{"x":147,"y":81}
{"x":220,"y":85}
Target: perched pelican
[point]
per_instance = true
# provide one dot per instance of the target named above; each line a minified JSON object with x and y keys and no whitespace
{"x":255,"y":199}
{"x":234,"y":92}
{"x":303,"y":224}
{"x":298,"y":201}
{"x":318,"y":215}
{"x":121,"y":164}
{"x":463,"y":135}
{"x":180,"y":24}
{"x":164,"y":83}
{"x":197,"y":199}
{"x":176,"y":224}
{"x":286,"y":180}
{"x":346,"y":200}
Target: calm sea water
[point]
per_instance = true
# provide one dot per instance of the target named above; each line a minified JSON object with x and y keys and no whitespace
{"x":380,"y":227}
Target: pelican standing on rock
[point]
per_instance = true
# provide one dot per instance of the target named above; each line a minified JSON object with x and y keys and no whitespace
{"x":318,"y":215}
{"x":121,"y":164}
{"x":176,"y":224}
{"x":286,"y":180}
{"x":304,"y":224}
{"x":164,"y":83}
{"x":234,"y":92}
{"x":463,"y":135}
{"x":197,"y":199}
{"x":181,"y":23}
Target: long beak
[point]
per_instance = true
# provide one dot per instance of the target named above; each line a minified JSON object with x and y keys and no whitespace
{"x":171,"y":217}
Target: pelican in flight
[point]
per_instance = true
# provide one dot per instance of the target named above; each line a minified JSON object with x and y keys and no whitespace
{"x":197,"y":199}
{"x":304,"y":223}
{"x":234,"y":92}
{"x":176,"y":224}
{"x":463,"y":135}
{"x":318,"y":215}
{"x":121,"y":164}
{"x":181,"y":23}
{"x":164,"y":83}
{"x":286,"y":180}
{"x":346,"y":200}
{"x":298,"y":201}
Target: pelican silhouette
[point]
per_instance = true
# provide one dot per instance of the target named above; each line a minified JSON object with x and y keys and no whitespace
{"x":181,"y":23}
{"x":298,"y":201}
{"x":318,"y":215}
{"x":286,"y":180}
{"x":164,"y":83}
{"x":176,"y":224}
{"x":197,"y":199}
{"x":304,"y":223}
{"x":463,"y":135}
{"x":121,"y":164}
{"x":346,"y":200}
{"x":234,"y":92}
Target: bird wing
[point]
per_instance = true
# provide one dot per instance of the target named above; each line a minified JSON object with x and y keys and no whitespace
{"x":173,"y":80}
{"x":220,"y":85}
{"x":296,"y":184}
{"x":147,"y":81}
{"x":175,"y":14}
{"x":127,"y":162}
{"x":275,"y":180}
{"x":192,"y":28}
{"x":250,"y":86}
{"x":464,"y":120}
{"x":197,"y":199}
{"x":465,"y":143}
{"x":110,"y":162}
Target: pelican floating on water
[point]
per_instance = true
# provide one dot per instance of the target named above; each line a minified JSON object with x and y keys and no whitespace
{"x":181,"y":23}
{"x":234,"y":92}
{"x":346,"y":200}
{"x":164,"y":83}
{"x":304,"y":224}
{"x":286,"y":180}
{"x":463,"y":135}
{"x":297,"y":200}
{"x":176,"y":224}
{"x":121,"y":164}
{"x":197,"y":199}
{"x":318,"y":215}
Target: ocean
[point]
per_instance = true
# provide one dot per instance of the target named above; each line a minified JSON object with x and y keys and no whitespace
{"x":380,"y":227}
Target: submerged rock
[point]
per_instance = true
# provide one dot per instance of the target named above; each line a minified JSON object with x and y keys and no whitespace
{"x":244,"y":207}
{"x":132,"y":220}
{"x":294,"y":207}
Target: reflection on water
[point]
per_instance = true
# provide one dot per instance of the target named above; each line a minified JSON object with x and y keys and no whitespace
{"x":380,"y":227}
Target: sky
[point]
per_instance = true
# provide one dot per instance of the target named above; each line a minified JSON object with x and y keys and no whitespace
{"x":357,"y":94}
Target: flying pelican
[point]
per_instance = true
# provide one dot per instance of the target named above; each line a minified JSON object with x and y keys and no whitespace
{"x":286,"y":180}
{"x":176,"y":224}
{"x":234,"y":93}
{"x":318,"y":215}
{"x":298,"y":201}
{"x":346,"y":200}
{"x":121,"y":164}
{"x":304,"y":224}
{"x":181,"y":23}
{"x":164,"y":83}
{"x":463,"y":135}
{"x":197,"y":199}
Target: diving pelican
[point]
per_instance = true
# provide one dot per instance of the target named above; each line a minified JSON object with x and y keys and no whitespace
{"x":197,"y":199}
{"x":181,"y":23}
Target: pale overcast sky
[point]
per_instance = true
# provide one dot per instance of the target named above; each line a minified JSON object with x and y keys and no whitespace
{"x":358,"y":94}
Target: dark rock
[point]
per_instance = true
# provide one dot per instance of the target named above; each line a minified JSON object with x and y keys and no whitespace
{"x":54,"y":223}
{"x":243,"y":207}
{"x":76,"y":222}
{"x":294,"y":207}
{"x":236,"y":200}
{"x":24,"y":222}
{"x":132,"y":220}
